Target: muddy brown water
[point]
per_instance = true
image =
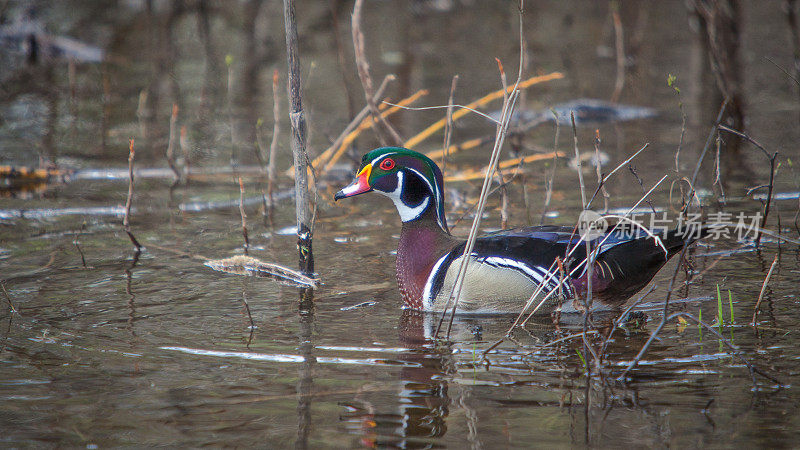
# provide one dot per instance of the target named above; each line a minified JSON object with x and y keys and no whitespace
{"x":161,"y":351}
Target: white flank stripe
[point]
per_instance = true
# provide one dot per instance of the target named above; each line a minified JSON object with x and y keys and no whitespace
{"x":427,"y":295}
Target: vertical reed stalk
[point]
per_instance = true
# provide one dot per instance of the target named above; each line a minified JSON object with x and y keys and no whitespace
{"x":126,"y":220}
{"x":273,"y":146}
{"x":298,"y":121}
{"x":174,"y":138}
{"x":244,"y":217}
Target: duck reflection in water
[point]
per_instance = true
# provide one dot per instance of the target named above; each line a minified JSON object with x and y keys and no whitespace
{"x":435,"y":381}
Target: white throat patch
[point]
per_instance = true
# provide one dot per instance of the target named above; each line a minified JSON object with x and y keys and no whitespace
{"x":407,"y":213}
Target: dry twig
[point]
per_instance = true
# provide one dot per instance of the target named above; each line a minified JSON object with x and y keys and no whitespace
{"x":763,"y":290}
{"x":126,"y":219}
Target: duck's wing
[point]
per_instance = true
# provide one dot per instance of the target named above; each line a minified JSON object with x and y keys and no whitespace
{"x":625,"y":263}
{"x":504,"y":266}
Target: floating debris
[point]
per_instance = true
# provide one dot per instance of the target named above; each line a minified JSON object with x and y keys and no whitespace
{"x":358,"y":305}
{"x":43,"y":213}
{"x":252,"y":267}
{"x":587,"y":111}
{"x":27,"y":36}
{"x":778,"y":196}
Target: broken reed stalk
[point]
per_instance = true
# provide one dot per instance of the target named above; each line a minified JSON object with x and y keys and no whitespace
{"x":184,"y":144}
{"x":548,"y":182}
{"x":769,"y":187}
{"x":448,"y":128}
{"x":231,"y":124}
{"x":244,"y":216}
{"x":619,"y":166}
{"x":578,"y":159}
{"x":249,"y":316}
{"x":683,"y":132}
{"x":385,"y":132}
{"x":600,"y":185}
{"x":8,"y":298}
{"x":718,"y":170}
{"x":126,"y":219}
{"x":692,"y":195}
{"x":498,"y":172}
{"x":619,"y":41}
{"x":504,"y":215}
{"x":710,"y":137}
{"x":763,"y":290}
{"x":78,"y":246}
{"x":298,"y":121}
{"x":174,"y":138}
{"x":273,"y":145}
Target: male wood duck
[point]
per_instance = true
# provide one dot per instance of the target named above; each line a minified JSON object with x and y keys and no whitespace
{"x":505,"y":267}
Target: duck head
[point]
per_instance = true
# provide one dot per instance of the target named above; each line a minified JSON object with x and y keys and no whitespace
{"x":412,"y":180}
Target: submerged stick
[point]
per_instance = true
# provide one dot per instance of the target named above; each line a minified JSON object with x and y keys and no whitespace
{"x":126,"y":219}
{"x":763,"y":289}
{"x":298,"y":121}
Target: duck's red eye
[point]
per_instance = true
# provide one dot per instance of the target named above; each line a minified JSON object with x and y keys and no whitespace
{"x":387,"y":164}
